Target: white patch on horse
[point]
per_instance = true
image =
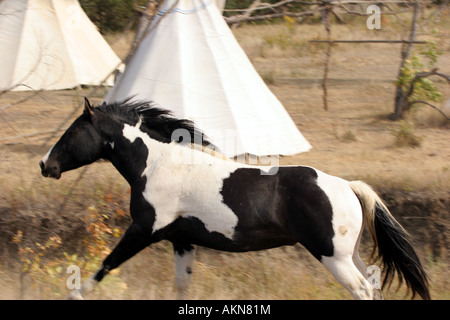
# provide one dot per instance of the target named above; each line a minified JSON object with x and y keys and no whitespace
{"x":347,"y":221}
{"x":347,"y":215}
{"x":188,"y":190}
{"x":45,"y":158}
{"x":133,"y":132}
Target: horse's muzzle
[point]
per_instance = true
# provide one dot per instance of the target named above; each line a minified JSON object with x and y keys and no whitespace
{"x":50,"y":171}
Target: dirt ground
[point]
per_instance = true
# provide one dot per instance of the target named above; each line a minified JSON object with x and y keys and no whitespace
{"x":354,"y":139}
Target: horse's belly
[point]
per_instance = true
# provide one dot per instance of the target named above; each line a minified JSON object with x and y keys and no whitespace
{"x":215,"y":217}
{"x":192,"y":230}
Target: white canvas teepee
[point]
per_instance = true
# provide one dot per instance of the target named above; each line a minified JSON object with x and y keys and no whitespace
{"x":51,"y":44}
{"x":191,"y":64}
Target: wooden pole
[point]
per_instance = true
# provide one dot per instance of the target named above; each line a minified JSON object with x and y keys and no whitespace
{"x":326,"y":17}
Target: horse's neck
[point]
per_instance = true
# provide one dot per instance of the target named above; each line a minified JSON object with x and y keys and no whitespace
{"x":135,"y":154}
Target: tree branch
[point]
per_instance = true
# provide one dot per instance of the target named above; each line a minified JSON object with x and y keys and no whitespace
{"x":431,"y":73}
{"x":428,"y":104}
{"x":422,"y":75}
{"x":258,"y":5}
{"x":240,"y":18}
{"x":416,"y":78}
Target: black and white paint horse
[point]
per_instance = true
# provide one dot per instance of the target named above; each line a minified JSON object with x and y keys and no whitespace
{"x":230,"y":206}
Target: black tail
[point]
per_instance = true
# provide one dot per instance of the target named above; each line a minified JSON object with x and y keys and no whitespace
{"x":393,"y":243}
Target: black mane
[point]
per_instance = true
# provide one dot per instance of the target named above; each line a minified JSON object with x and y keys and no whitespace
{"x":158,"y":120}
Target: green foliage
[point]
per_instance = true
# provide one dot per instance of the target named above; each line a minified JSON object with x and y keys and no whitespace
{"x":238,"y":4}
{"x":431,"y":52}
{"x":110,"y":15}
{"x":423,"y":88}
{"x":114,"y":15}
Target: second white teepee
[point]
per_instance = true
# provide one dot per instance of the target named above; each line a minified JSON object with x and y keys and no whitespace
{"x":192,"y":64}
{"x":51,"y":44}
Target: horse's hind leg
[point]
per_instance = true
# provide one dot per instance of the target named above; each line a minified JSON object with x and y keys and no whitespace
{"x":348,"y":275}
{"x":184,"y":258}
{"x":377,"y":294}
{"x":349,"y":270}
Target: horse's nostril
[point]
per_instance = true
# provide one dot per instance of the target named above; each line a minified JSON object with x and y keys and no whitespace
{"x":41,"y":164}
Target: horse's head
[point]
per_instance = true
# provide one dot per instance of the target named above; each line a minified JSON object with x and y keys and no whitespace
{"x":80,"y":145}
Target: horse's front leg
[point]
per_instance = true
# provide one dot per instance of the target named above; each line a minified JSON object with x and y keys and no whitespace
{"x":136,"y":238}
{"x":184,"y":258}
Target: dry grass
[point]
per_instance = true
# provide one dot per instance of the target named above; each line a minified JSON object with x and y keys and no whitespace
{"x":352,"y":140}
{"x":405,"y":135}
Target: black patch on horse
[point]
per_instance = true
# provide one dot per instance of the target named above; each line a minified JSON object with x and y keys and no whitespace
{"x":280,"y":209}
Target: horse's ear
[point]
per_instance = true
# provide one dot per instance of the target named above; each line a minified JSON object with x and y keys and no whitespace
{"x":88,"y":109}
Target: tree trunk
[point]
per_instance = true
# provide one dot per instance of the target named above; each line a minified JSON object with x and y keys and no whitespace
{"x":400,"y":95}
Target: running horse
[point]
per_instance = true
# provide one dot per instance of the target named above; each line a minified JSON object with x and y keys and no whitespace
{"x":226,"y":205}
